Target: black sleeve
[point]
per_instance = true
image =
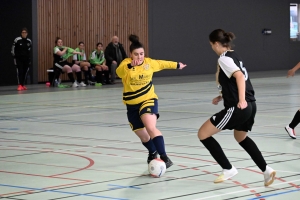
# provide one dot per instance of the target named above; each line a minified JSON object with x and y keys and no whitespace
{"x":13,"y":48}
{"x":107,"y":54}
{"x":123,"y":52}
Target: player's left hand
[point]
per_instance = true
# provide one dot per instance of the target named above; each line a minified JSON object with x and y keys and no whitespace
{"x":242,"y":104}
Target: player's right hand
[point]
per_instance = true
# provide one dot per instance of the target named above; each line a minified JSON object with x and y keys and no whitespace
{"x":135,"y":62}
{"x":216,"y":100}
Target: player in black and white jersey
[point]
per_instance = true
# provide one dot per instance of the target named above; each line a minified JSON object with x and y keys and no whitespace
{"x":290,"y":128}
{"x":239,"y":112}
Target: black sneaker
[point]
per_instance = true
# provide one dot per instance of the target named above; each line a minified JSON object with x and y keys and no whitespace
{"x":167,"y":160}
{"x":151,"y":156}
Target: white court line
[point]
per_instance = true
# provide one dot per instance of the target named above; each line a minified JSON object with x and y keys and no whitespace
{"x":135,"y":158}
{"x":73,"y":150}
{"x":111,"y":106}
{"x":275,"y":170}
{"x":94,"y":146}
{"x":78,"y":114}
{"x":34,"y":111}
{"x":240,"y":191}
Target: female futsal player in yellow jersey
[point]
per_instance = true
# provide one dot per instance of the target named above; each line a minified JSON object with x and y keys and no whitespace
{"x":140,"y":99}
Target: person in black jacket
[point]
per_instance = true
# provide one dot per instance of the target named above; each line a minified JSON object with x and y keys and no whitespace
{"x":21,"y":52}
{"x":114,"y":55}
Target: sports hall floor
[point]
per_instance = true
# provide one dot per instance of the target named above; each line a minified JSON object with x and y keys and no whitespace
{"x":75,"y":144}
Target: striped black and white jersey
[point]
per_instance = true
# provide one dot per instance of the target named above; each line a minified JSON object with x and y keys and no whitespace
{"x":228,"y":63}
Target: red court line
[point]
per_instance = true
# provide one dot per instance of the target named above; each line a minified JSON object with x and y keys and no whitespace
{"x":237,"y":183}
{"x":193,"y":158}
{"x":39,"y":142}
{"x":60,"y":166}
{"x":175,"y":156}
{"x":38,"y":175}
{"x":252,"y":191}
{"x":91,"y":163}
{"x":175,"y":145}
{"x":30,"y":191}
{"x":33,"y":191}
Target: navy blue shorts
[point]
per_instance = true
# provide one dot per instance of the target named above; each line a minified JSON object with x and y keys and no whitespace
{"x":134,"y":113}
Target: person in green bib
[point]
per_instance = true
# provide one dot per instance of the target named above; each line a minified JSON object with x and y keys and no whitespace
{"x":80,"y":59}
{"x":97,"y":59}
{"x":61,"y":64}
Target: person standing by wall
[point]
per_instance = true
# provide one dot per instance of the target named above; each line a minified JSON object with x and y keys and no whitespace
{"x":21,"y":49}
{"x":114,"y":55}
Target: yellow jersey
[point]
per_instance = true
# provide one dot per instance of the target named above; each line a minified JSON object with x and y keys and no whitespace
{"x":137,"y":80}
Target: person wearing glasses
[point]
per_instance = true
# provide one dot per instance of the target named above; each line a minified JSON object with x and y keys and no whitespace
{"x":21,"y":49}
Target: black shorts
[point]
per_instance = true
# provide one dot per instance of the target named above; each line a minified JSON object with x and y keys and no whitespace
{"x":61,"y":64}
{"x":134,"y":113}
{"x":235,"y":118}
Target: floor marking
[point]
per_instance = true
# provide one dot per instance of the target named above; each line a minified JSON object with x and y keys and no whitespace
{"x":62,"y":192}
{"x":275,"y":194}
{"x":240,"y":191}
{"x":121,"y":187}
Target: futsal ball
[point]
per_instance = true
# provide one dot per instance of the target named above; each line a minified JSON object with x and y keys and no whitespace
{"x":157,"y":168}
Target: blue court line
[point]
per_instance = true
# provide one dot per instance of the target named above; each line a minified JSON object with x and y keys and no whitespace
{"x":121,"y":186}
{"x":62,"y":192}
{"x":275,"y":194}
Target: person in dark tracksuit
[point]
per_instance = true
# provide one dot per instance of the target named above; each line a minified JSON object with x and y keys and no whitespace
{"x":21,"y":49}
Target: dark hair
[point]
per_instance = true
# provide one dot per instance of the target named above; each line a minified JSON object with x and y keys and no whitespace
{"x":135,"y":43}
{"x":24,"y":29}
{"x":56,"y":39}
{"x":80,"y":43}
{"x":98,"y":44}
{"x":225,"y":38}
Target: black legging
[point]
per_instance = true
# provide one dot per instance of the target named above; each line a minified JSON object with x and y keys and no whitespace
{"x":22,"y":69}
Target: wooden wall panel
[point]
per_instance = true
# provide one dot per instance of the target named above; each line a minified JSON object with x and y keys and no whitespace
{"x":90,"y":21}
